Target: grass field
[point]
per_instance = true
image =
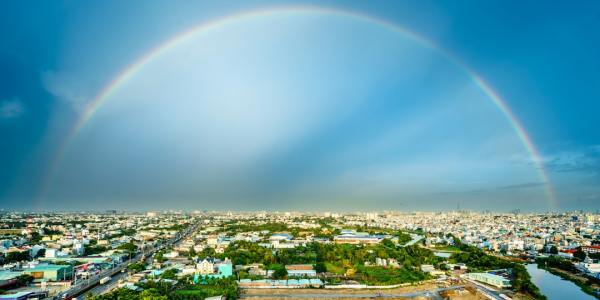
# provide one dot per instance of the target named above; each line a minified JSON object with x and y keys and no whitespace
{"x":334,"y":269}
{"x":446,"y":248}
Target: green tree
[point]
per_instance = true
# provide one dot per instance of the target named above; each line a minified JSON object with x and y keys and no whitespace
{"x":152,"y":294}
{"x":579,"y":254}
{"x":128,"y":247}
{"x":594,"y":255}
{"x":16,"y":256}
{"x":24,"y":279}
{"x":207,"y":253}
{"x":320,"y":267}
{"x":521,"y":281}
{"x":280,"y":273}
{"x":136,"y":267}
{"x":159,"y":257}
{"x":192,"y":252}
{"x":91,"y":250}
{"x":169,"y":274}
{"x":40,"y":253}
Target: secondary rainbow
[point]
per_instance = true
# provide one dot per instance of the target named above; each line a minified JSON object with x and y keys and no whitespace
{"x":127,"y":73}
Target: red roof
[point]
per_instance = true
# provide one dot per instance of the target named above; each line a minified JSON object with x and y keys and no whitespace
{"x":592,"y":246}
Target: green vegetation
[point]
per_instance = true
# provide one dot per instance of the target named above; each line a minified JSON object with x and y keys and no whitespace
{"x":389,"y":276}
{"x":24,"y":279}
{"x":552,"y":263}
{"x":169,"y":274}
{"x":521,"y":281}
{"x":243,"y":253}
{"x":579,"y":254}
{"x":14,"y":224}
{"x":271,"y":227}
{"x":340,"y":259}
{"x":136,"y":267}
{"x":324,"y":231}
{"x":478,"y":261}
{"x":40,"y":253}
{"x":320,"y":267}
{"x":192,"y":252}
{"x":159,"y":257}
{"x":15,"y":256}
{"x":124,"y":232}
{"x":52,"y":232}
{"x":403,"y":238}
{"x":128,"y":247}
{"x":280,"y":272}
{"x":331,"y":268}
{"x":447,"y":248}
{"x":184,"y":289}
{"x":95,"y":249}
{"x":176,"y":227}
{"x":35,"y":237}
{"x":556,"y":262}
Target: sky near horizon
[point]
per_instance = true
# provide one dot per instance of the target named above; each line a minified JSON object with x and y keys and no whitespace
{"x":335,"y":105}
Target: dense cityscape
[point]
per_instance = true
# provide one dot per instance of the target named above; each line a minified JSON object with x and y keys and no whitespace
{"x":273,"y":255}
{"x":299,"y":149}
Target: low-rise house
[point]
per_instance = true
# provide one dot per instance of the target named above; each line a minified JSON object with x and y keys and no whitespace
{"x":274,"y":284}
{"x":458,"y":266}
{"x":300,"y":271}
{"x":49,"y":272}
{"x":588,"y":268}
{"x":214,"y":268}
{"x":591,"y":249}
{"x":491,"y":279}
{"x":281,"y":237}
{"x":205,"y":267}
{"x":171,"y":254}
{"x":427,"y":268}
{"x":357,"y":238}
{"x":17,"y":296}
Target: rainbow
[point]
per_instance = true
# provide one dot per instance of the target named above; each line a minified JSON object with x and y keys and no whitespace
{"x":130,"y":71}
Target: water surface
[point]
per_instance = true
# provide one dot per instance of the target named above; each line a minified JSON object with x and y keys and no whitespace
{"x":555,"y":287}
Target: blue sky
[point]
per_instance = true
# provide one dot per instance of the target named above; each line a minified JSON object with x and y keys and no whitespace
{"x":291,"y":109}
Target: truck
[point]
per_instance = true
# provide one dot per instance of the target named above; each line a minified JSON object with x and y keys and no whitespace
{"x":104,"y":280}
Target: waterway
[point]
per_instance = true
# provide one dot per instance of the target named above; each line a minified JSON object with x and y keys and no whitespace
{"x":555,"y":287}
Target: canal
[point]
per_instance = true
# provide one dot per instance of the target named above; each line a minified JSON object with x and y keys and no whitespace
{"x":555,"y":287}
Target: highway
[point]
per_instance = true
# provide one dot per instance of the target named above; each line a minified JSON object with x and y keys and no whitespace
{"x":81,"y":286}
{"x":107,"y":287}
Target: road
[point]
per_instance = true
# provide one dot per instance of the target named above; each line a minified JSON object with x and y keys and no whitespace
{"x":434,"y":294}
{"x":104,"y":288}
{"x":489,"y":292}
{"x":415,"y":239}
{"x":82,"y":286}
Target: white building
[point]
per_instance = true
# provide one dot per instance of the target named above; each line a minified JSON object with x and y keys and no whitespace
{"x":205,"y":267}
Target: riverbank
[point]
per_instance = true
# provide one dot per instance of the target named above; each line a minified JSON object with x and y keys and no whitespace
{"x":580,"y":281}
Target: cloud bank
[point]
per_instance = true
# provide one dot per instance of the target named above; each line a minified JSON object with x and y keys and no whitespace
{"x":11,"y":108}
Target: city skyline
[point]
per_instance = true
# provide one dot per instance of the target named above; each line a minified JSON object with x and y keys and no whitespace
{"x":344,"y":106}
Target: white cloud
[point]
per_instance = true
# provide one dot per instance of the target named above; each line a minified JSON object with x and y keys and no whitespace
{"x":67,"y":88}
{"x":11,"y":108}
